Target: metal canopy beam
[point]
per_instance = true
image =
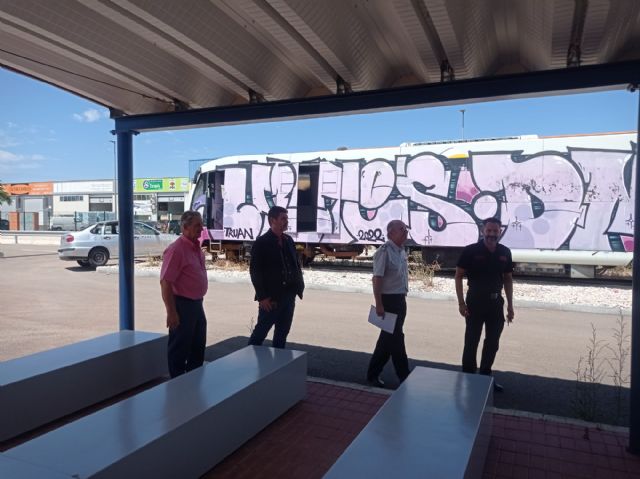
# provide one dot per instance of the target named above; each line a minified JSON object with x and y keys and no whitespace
{"x":544,"y":83}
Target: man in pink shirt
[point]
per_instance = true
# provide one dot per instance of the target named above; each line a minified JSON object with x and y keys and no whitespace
{"x":183,"y":281}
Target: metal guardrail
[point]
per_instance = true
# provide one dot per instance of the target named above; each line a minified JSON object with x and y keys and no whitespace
{"x":31,"y":233}
{"x":30,"y":237}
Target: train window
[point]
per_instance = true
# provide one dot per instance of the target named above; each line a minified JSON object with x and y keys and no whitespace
{"x":307,"y":197}
{"x":199,"y":199}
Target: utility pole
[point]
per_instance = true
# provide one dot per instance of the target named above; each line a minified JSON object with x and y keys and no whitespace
{"x":115,"y":179}
{"x":462,"y":111}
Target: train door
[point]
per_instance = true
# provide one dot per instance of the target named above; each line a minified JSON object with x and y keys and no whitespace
{"x":216,"y":202}
{"x":307,"y":197}
{"x":286,"y":193}
{"x":328,"y":198}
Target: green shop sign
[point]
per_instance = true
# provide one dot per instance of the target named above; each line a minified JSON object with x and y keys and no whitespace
{"x":161,"y":185}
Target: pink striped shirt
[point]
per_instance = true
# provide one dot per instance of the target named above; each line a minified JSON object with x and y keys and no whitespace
{"x":183,"y":267}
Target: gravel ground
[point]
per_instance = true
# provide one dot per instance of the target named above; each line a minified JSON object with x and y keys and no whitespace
{"x":581,"y":298}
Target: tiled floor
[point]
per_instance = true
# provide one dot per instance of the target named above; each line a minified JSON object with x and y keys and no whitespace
{"x":306,"y":441}
{"x":523,"y":447}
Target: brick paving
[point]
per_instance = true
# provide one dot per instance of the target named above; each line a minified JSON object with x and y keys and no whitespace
{"x":307,"y":440}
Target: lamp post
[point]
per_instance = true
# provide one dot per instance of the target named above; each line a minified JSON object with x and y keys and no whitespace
{"x":462,"y":111}
{"x":115,"y":179}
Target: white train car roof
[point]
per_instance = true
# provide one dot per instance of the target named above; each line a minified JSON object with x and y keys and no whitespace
{"x":451,"y":149}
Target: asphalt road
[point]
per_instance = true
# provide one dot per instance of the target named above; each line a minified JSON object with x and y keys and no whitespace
{"x":48,"y":303}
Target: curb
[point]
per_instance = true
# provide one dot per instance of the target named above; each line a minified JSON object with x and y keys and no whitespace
{"x":213,"y":276}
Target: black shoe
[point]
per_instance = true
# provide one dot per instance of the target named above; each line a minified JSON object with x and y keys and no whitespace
{"x":376,"y":382}
{"x":497,"y":387}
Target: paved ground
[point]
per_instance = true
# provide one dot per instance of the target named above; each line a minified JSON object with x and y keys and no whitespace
{"x":48,"y":303}
{"x":307,"y":440}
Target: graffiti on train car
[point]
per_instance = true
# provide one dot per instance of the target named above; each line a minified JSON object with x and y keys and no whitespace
{"x":581,"y":199}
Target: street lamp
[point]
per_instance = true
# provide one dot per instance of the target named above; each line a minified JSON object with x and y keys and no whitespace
{"x":115,"y":179}
{"x":462,"y":111}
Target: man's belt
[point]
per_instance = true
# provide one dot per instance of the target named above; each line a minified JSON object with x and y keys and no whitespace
{"x":478,"y":295}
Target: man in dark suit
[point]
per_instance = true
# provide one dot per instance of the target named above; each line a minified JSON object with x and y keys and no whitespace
{"x":277,"y":279}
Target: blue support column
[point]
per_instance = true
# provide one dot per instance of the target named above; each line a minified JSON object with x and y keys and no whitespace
{"x":125,"y":237}
{"x":634,"y":406}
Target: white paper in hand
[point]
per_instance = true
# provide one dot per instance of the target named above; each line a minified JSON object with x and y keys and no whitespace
{"x":386,"y":323}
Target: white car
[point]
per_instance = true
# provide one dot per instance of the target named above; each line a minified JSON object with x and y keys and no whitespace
{"x":97,"y":244}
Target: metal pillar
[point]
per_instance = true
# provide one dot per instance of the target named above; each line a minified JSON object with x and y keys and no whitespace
{"x":634,"y":406}
{"x":125,"y":236}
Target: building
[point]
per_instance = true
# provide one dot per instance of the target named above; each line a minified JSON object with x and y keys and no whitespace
{"x":35,"y":205}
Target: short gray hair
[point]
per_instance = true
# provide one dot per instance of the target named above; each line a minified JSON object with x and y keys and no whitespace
{"x":188,"y":216}
{"x":394,"y":224}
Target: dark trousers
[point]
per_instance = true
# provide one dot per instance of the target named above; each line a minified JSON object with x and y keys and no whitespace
{"x":391,"y":345}
{"x":187,"y":341}
{"x":281,"y":316}
{"x":490,"y":314}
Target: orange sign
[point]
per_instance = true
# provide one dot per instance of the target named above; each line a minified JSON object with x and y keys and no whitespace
{"x":33,"y":189}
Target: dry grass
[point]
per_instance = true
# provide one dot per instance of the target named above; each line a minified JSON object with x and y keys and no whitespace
{"x":617,"y":272}
{"x":228,"y":265}
{"x":419,"y":271}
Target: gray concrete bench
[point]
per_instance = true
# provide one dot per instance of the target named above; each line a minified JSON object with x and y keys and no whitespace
{"x":435,"y":425}
{"x":46,"y":386}
{"x":180,"y":428}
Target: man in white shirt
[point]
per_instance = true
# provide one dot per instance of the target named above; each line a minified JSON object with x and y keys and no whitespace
{"x":390,"y":287}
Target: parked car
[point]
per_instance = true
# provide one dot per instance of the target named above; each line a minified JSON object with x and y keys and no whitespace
{"x":97,"y":244}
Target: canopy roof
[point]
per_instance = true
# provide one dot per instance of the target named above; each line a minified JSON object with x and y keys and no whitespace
{"x":155,"y":56}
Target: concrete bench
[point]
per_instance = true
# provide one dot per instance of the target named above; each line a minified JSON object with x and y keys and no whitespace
{"x":180,"y":428}
{"x":46,"y":386}
{"x":435,"y":425}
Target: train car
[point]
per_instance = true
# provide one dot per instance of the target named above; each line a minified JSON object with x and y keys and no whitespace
{"x":565,"y":200}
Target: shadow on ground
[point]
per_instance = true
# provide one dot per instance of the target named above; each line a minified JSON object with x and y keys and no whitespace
{"x":523,"y":392}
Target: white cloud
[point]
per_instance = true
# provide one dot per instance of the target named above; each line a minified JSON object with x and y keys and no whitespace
{"x":6,"y":140}
{"x":7,"y":156}
{"x":89,"y":116}
{"x":11,"y":161}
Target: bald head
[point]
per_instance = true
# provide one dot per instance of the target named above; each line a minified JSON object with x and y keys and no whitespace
{"x":397,"y":232}
{"x":394,"y":225}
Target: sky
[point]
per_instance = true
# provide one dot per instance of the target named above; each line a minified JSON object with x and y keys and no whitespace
{"x":47,"y":134}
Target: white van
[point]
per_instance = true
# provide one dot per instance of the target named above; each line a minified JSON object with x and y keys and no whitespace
{"x":68,"y":223}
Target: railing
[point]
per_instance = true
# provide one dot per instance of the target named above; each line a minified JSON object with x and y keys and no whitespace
{"x":30,"y":237}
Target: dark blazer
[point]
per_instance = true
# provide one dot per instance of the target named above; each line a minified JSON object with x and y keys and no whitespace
{"x":267,"y":267}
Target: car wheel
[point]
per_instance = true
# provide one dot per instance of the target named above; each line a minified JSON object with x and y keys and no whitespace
{"x":98,"y":257}
{"x":84,"y":263}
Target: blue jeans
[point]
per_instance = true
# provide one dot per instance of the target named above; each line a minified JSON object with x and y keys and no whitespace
{"x":281,"y":316}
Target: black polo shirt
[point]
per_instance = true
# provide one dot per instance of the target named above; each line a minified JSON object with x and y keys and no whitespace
{"x":484,"y":269}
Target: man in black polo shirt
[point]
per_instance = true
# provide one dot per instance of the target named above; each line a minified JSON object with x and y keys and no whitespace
{"x":488,"y":267}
